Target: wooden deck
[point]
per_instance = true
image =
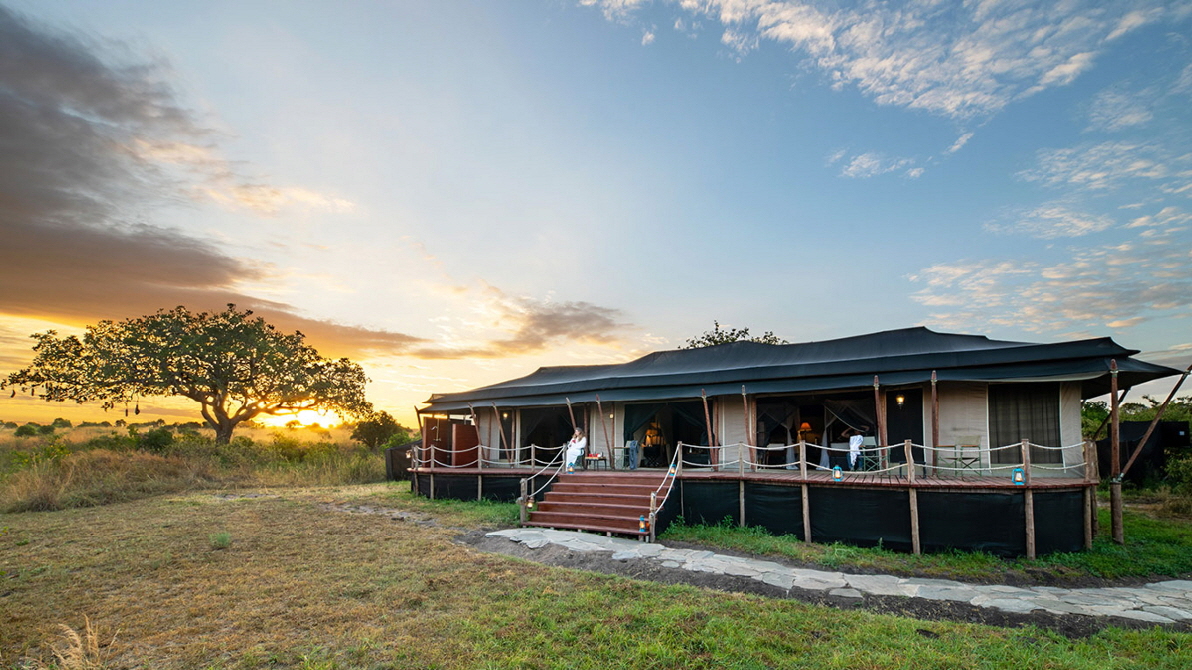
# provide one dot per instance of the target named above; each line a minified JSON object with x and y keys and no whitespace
{"x":852,"y":479}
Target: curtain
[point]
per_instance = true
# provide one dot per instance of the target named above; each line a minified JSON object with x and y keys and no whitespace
{"x":1025,"y":411}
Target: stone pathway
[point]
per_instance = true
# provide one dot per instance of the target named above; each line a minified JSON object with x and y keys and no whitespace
{"x":1161,"y":602}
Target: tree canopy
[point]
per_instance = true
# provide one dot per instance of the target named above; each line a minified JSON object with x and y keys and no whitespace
{"x":236,"y":366}
{"x":720,"y":335}
{"x":378,"y":429}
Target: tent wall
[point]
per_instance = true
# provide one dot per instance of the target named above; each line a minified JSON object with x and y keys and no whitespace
{"x":1070,"y":436}
{"x":964,"y":412}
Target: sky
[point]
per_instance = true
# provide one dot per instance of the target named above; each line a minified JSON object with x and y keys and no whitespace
{"x":455,"y":193}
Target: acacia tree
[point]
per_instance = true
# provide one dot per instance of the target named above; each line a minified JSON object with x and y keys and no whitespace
{"x":720,"y":335}
{"x":235,"y":366}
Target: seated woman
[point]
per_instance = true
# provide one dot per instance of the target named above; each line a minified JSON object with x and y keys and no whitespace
{"x":576,"y":448}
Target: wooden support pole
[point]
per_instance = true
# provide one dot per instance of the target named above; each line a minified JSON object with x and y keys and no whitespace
{"x":571,"y":414}
{"x":525,"y":490}
{"x":1090,"y":493}
{"x":806,"y":492}
{"x":711,"y":436}
{"x":1115,"y":458}
{"x":479,"y":445}
{"x":1029,"y":504}
{"x":935,"y":422}
{"x":608,"y":444}
{"x":878,"y":406}
{"x":750,"y":432}
{"x":1092,"y":468}
{"x":913,"y":494}
{"x":741,"y":499}
{"x":1028,"y":499}
{"x":501,"y":430}
{"x":1090,"y":510}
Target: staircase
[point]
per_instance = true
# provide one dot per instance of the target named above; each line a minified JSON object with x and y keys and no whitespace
{"x":603,"y":502}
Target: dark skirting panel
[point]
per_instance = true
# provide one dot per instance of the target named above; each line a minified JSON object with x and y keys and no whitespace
{"x":501,"y":489}
{"x":992,"y":522}
{"x":778,"y":509}
{"x":455,"y":487}
{"x":422,"y":481}
{"x":1059,"y":521}
{"x":864,"y":517}
{"x":709,"y":502}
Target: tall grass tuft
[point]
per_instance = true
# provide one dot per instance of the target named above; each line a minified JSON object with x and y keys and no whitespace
{"x":79,"y":650}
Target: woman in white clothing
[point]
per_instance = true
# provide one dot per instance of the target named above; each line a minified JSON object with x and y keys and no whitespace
{"x":577,"y":447}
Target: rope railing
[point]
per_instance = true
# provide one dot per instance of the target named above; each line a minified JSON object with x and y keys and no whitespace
{"x":668,"y":482}
{"x":985,"y":464}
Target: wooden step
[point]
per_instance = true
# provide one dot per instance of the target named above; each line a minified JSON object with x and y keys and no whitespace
{"x":598,"y":498}
{"x":560,"y":519}
{"x":593,"y":508}
{"x":587,"y":527}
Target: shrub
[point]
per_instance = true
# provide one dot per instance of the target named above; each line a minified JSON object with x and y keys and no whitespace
{"x":61,"y":423}
{"x":27,"y":430}
{"x":156,"y":440}
{"x":45,"y":430}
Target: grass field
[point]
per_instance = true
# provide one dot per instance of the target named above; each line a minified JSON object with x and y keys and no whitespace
{"x":203,"y":580}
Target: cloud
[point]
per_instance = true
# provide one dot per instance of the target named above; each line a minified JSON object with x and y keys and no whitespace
{"x":957,"y":60}
{"x":528,"y":326}
{"x":959,"y":143}
{"x":90,"y":149}
{"x":1116,"y":109}
{"x":1106,"y":165}
{"x":647,"y":37}
{"x":1117,"y":285}
{"x":864,"y":166}
{"x":1053,"y":221}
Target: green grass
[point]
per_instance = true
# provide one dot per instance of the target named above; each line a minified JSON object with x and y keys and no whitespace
{"x":1153,"y":547}
{"x":304,"y":586}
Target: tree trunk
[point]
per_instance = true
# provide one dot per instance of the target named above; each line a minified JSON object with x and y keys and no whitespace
{"x":223,"y":432}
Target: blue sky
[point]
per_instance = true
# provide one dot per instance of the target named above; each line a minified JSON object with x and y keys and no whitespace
{"x":455,"y":193}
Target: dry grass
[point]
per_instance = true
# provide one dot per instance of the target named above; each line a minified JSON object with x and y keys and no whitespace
{"x":100,"y":477}
{"x":96,"y":466}
{"x":304,"y":586}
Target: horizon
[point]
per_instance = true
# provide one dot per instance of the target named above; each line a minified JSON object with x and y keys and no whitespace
{"x":459,"y":193}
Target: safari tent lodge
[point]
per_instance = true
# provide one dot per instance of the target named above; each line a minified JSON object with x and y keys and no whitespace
{"x":910,"y":438}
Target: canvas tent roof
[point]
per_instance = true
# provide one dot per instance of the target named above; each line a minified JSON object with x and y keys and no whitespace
{"x":898,"y":357}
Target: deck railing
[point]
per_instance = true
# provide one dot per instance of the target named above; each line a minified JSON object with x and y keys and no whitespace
{"x":744,"y":457}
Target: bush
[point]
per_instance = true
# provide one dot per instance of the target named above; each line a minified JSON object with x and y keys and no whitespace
{"x":27,"y":430}
{"x":156,"y":441}
{"x":61,"y":423}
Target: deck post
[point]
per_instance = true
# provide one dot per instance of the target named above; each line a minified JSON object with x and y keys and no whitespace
{"x":914,"y":497}
{"x":1028,"y":500}
{"x":1090,"y":493}
{"x":1093,"y":468}
{"x":741,"y":499}
{"x":533,"y":455}
{"x":522,"y":499}
{"x":806,"y":492}
{"x":1115,"y":458}
{"x":935,"y":423}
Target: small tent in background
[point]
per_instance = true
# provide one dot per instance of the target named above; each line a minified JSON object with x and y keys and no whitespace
{"x":1169,"y":437}
{"x":398,"y":460}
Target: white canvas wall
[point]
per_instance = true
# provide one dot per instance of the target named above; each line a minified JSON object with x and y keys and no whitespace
{"x":964,"y":411}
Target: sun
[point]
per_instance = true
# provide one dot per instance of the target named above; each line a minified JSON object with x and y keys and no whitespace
{"x":306,"y":417}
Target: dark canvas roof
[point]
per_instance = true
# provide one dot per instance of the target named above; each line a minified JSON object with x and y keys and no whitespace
{"x":905,"y":356}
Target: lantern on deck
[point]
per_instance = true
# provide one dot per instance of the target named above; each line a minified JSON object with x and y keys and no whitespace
{"x":837,"y":474}
{"x":1018,"y":477}
{"x":641,"y":524}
